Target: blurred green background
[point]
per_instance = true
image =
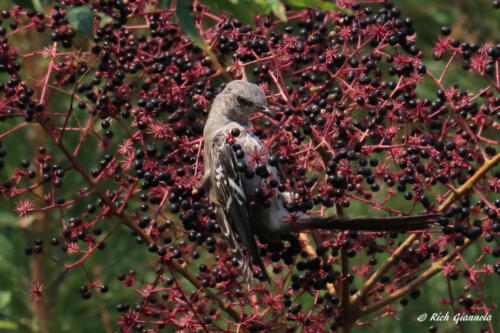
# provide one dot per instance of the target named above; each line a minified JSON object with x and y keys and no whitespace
{"x":64,"y":310}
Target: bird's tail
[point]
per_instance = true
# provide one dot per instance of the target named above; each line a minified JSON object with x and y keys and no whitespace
{"x":400,"y":223}
{"x":247,"y":270}
{"x":246,"y":267}
{"x":249,"y":242}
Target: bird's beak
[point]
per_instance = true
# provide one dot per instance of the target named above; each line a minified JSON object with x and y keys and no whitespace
{"x":265,"y":110}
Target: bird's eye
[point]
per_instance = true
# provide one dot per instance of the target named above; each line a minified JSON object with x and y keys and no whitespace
{"x":244,"y":101}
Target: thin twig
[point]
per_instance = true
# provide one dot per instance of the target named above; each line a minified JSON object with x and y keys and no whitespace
{"x":393,"y":259}
{"x":452,"y":301}
{"x":488,"y":164}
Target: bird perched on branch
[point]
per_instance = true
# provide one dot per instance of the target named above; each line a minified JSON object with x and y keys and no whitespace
{"x":232,"y":184}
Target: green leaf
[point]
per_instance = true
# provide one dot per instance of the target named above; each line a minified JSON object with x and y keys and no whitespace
{"x":105,"y":19}
{"x":279,"y":9}
{"x":6,"y":246}
{"x":243,"y":10}
{"x":8,"y":219}
{"x":81,"y":19}
{"x":8,"y":325}
{"x":5,"y":297}
{"x":37,"y":4}
{"x":186,"y":21}
{"x":164,"y":3}
{"x":314,"y":4}
{"x":188,"y":25}
{"x":29,"y":4}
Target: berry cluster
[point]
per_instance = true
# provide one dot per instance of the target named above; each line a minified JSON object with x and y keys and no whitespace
{"x":354,"y":133}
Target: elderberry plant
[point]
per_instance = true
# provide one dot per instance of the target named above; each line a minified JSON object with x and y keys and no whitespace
{"x":354,"y":136}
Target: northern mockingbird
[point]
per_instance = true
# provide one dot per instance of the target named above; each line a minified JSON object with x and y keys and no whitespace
{"x":233,"y":178}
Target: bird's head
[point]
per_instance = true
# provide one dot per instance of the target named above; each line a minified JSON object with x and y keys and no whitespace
{"x":242,"y":100}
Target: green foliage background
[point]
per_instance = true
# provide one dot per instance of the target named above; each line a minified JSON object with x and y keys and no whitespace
{"x":66,"y":311}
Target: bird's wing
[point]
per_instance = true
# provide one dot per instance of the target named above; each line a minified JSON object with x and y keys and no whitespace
{"x":232,"y":210}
